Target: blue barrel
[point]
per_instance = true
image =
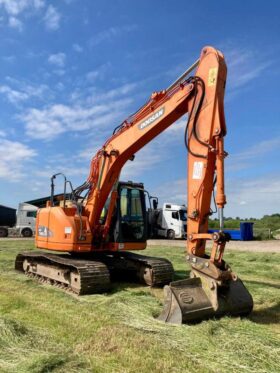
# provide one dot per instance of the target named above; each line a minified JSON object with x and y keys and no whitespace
{"x":246,"y":231}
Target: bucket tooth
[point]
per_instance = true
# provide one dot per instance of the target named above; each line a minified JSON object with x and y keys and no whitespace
{"x":201,"y":297}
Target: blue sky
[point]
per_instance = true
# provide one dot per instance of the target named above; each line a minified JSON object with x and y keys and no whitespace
{"x":73,"y":70}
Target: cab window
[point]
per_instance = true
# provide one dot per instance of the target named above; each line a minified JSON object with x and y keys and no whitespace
{"x":31,"y":214}
{"x":183,"y":215}
{"x":132,"y":215}
{"x":175,"y":215}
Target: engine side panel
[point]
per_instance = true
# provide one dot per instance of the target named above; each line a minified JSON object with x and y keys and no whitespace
{"x":61,"y":230}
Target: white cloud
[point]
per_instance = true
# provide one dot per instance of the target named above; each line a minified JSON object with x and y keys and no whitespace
{"x":101,"y":111}
{"x":22,"y":91}
{"x":247,"y":158}
{"x":77,"y":48}
{"x":110,"y":33}
{"x":174,"y":191}
{"x":93,"y":75}
{"x":13,"y":156}
{"x":87,"y":153}
{"x":148,"y":158}
{"x":177,"y":128}
{"x":244,"y":65}
{"x":261,"y":148}
{"x":245,"y":198}
{"x":15,"y":7}
{"x":59,"y":72}
{"x":253,"y":197}
{"x":2,"y":133}
{"x":39,"y":3}
{"x":54,"y":120}
{"x":60,"y":86}
{"x":70,"y":171}
{"x":13,"y":95}
{"x":15,"y":23}
{"x":100,"y":73}
{"x":145,"y":159}
{"x":114,"y":93}
{"x":9,"y":59}
{"x":57,"y":59}
{"x":155,"y":153}
{"x":52,"y":18}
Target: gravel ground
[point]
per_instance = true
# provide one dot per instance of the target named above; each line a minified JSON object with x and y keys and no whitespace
{"x":272,"y":246}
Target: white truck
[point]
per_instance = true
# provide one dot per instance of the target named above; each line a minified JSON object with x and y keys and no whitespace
{"x":170,"y":221}
{"x":24,"y":224}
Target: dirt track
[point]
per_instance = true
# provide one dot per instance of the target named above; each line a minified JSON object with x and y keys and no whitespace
{"x":272,"y":246}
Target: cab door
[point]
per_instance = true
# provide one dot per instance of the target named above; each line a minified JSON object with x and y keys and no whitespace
{"x":176,"y":223}
{"x":130,"y":223}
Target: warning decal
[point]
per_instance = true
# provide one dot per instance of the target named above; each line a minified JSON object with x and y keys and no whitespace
{"x":212,"y":76}
{"x":197,"y":170}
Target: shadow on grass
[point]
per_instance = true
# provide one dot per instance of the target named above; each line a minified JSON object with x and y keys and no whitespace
{"x":117,"y":286}
{"x":126,"y":282}
{"x":269,"y":315}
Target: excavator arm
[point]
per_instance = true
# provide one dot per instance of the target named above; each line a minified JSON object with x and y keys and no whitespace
{"x":213,"y":289}
{"x":202,"y":97}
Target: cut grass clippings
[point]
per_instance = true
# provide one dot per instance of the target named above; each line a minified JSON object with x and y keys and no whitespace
{"x":43,"y":329}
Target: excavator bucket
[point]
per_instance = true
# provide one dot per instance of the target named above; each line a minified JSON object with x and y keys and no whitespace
{"x":201,"y":297}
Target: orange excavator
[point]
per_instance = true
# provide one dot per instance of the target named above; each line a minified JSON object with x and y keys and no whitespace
{"x":96,"y":228}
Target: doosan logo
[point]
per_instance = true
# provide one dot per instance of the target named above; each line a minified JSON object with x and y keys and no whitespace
{"x":151,"y":119}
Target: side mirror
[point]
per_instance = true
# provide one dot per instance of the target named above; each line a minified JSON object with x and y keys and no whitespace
{"x":155,"y":204}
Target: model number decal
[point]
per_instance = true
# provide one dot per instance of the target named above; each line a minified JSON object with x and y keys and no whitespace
{"x":151,"y":119}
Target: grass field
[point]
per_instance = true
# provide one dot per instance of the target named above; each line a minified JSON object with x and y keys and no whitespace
{"x":45,"y":330}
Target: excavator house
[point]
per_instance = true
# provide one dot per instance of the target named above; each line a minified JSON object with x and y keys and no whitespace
{"x":91,"y":236}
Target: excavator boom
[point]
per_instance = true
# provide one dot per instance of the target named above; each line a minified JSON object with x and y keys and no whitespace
{"x":213,"y":288}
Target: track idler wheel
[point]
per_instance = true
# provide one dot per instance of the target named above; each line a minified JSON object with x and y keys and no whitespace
{"x":201,"y":297}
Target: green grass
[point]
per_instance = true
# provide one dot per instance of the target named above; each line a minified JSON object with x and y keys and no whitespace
{"x":43,"y":329}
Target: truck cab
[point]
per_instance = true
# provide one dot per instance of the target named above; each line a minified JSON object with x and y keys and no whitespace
{"x":170,"y":221}
{"x":174,"y":220}
{"x":26,"y":219}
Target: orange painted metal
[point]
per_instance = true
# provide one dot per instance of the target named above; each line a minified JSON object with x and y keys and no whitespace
{"x":58,"y":229}
{"x":205,"y":139}
{"x":211,"y":129}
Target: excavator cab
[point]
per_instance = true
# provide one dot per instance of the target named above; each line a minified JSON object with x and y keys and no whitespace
{"x":129,"y":221}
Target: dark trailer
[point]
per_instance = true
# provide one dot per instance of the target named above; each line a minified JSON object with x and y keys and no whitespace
{"x":7,"y":216}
